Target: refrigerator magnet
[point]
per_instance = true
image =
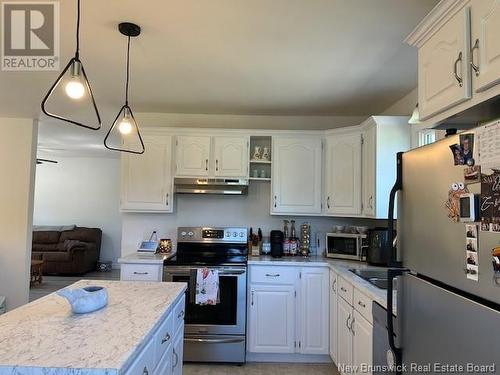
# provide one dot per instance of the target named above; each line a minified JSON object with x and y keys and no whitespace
{"x":471,"y":254}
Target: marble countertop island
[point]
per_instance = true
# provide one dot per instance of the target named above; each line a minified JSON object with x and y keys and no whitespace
{"x":45,"y":337}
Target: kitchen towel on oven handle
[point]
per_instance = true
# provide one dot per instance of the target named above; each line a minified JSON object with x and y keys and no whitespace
{"x":207,"y":286}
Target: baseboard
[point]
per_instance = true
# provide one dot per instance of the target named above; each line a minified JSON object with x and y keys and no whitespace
{"x":115,"y":266}
{"x":289,"y":358}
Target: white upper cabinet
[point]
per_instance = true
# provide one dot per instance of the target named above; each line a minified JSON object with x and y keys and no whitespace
{"x":314,"y":302}
{"x":343,"y":173}
{"x":193,"y":155}
{"x":383,"y":138}
{"x":444,"y":73}
{"x":231,"y":156}
{"x":296,"y":171}
{"x":146,"y":180}
{"x":485,"y":53}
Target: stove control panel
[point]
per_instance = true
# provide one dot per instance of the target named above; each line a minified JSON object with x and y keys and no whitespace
{"x":210,"y":234}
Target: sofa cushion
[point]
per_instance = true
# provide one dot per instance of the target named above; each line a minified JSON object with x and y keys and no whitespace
{"x":57,"y":256}
{"x":82,"y":234}
{"x":46,"y":237}
{"x":53,"y":228}
{"x":45,"y":247}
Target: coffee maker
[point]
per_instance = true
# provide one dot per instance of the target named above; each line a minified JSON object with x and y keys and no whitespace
{"x":379,"y":249}
{"x":276,"y":239}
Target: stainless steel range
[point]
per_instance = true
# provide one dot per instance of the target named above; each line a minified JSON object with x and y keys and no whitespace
{"x":213,"y":333}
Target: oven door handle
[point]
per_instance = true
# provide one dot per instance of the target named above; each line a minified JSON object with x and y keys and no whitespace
{"x":214,"y":341}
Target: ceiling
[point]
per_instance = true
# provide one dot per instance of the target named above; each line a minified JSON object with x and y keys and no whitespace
{"x":280,"y":57}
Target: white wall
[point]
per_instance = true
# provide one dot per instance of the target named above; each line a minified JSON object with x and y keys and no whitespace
{"x":195,"y":210}
{"x":81,"y":191}
{"x":17,"y":160}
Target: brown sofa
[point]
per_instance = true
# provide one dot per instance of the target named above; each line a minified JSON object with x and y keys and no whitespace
{"x":70,"y":251}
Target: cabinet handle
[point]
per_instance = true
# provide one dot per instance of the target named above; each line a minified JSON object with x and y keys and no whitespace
{"x":343,"y":289}
{"x":251,"y":301}
{"x":206,"y":164}
{"x":140,"y":273}
{"x":361,"y":304}
{"x":272,"y":274}
{"x":275,"y":201}
{"x":370,"y":201}
{"x":474,"y":66}
{"x":176,"y":360}
{"x":328,"y":202}
{"x":334,"y":283}
{"x":166,"y":338}
{"x":180,"y":315}
{"x":145,"y":371}
{"x":168,"y":197}
{"x":216,"y":164}
{"x":455,"y":70}
{"x":351,"y":326}
{"x":347,"y":322}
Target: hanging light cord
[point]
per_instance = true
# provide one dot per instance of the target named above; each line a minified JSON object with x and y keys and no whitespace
{"x":77,"y":53}
{"x":128,"y":71}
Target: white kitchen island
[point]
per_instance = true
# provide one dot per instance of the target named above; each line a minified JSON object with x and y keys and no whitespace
{"x":140,"y":332}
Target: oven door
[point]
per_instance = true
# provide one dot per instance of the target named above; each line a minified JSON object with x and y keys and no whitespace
{"x":343,"y":247}
{"x":226,"y":317}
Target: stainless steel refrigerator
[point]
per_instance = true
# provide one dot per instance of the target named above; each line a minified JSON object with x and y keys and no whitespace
{"x":443,"y":317}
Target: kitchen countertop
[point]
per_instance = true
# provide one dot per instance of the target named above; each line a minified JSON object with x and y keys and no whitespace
{"x":145,"y":258}
{"x":45,"y":337}
{"x":341,"y":267}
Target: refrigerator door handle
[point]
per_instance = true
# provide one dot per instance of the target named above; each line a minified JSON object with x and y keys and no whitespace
{"x":398,"y":185}
{"x":392,"y":273}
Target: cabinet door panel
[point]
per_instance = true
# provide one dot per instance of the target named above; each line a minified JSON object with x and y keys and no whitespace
{"x":485,"y":24}
{"x":344,"y":174}
{"x":438,"y":88}
{"x":231,"y":156}
{"x":296,"y":183}
{"x":314,"y":302}
{"x":362,"y":344}
{"x":333,"y":317}
{"x":369,"y":170}
{"x":147,"y":178}
{"x":193,"y":155}
{"x":178,"y":354}
{"x":272,"y":319}
{"x":345,"y":335}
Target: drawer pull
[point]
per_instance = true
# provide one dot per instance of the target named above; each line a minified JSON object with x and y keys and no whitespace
{"x":362,"y":304}
{"x":140,"y":273}
{"x":343,"y":289}
{"x":455,"y":69}
{"x":272,"y":275}
{"x":333,"y":285}
{"x":176,"y":360}
{"x":145,"y":371}
{"x":180,"y":315}
{"x":166,"y":338}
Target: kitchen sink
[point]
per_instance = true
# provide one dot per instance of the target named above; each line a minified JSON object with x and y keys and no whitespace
{"x":377,"y":278}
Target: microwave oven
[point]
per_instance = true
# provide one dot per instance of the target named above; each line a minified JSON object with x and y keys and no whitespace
{"x":349,"y":246}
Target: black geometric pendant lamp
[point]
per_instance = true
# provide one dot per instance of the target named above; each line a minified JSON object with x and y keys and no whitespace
{"x":70,"y":98}
{"x":124,"y":135}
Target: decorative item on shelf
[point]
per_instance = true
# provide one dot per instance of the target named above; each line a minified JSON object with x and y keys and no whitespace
{"x":266,"y":155}
{"x":255,"y":173}
{"x":71,"y":93}
{"x":263,"y":174}
{"x":124,"y":134}
{"x":165,"y":246}
{"x":104,"y":266}
{"x":305,"y":239}
{"x":85,"y":300}
{"x":257,"y":153}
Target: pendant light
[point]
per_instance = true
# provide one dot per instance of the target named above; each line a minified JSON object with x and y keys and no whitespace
{"x":124,"y":135}
{"x":415,"y":116}
{"x":70,"y":98}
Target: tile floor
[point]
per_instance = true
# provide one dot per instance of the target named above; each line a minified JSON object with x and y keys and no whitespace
{"x":261,"y":369}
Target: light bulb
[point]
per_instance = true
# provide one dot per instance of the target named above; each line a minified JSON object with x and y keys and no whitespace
{"x":75,"y":89}
{"x":125,"y":126}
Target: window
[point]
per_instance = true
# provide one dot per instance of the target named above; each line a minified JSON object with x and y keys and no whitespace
{"x":426,"y":137}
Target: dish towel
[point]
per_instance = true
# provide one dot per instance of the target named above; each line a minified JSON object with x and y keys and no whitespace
{"x":207,"y":286}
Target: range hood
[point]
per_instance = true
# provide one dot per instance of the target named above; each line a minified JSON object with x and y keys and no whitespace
{"x":221,"y":186}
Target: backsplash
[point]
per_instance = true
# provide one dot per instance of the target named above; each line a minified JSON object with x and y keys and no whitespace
{"x":250,"y":210}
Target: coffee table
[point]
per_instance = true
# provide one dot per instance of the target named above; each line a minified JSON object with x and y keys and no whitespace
{"x":36,"y":272}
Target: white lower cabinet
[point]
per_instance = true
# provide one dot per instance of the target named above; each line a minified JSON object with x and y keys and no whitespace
{"x":177,"y":354}
{"x":288,"y":310}
{"x":333,"y":317}
{"x":272,"y":319}
{"x":355,"y":335}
